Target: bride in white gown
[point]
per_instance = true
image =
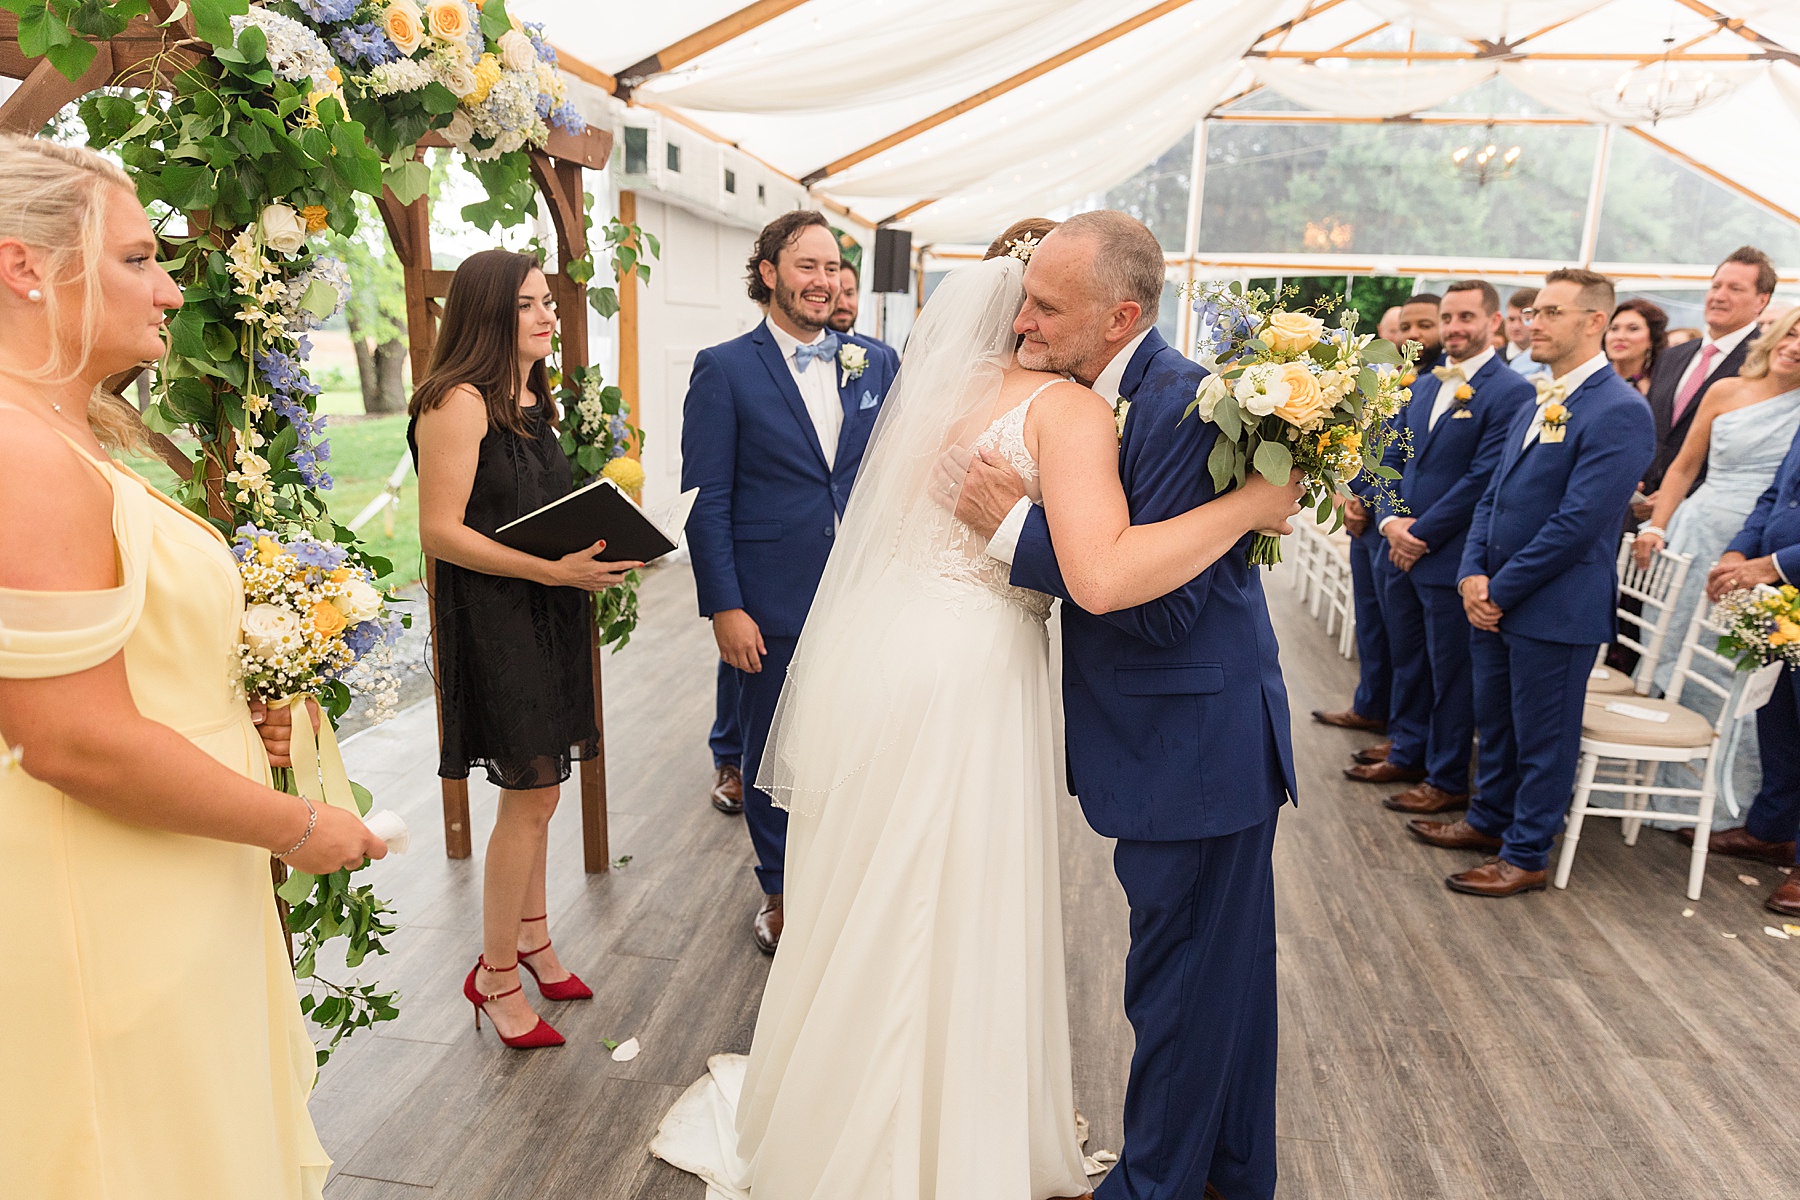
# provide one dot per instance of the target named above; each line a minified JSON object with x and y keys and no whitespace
{"x":913,"y":1040}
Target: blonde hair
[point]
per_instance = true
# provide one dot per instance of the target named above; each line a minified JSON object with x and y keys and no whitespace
{"x":1756,"y":363}
{"x":53,"y":198}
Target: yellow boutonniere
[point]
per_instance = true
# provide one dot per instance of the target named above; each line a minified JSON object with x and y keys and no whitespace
{"x":1408,"y":379}
{"x":1555,"y":415}
{"x":1464,"y":392}
{"x":1121,"y":409}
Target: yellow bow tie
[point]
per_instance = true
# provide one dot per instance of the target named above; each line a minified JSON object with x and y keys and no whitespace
{"x":1444,"y":374}
{"x":1550,"y":390}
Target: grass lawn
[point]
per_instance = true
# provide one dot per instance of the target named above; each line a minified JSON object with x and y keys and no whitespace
{"x":363,"y":454}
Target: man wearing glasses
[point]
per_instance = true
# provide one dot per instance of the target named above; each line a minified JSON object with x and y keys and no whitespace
{"x":1538,"y":584}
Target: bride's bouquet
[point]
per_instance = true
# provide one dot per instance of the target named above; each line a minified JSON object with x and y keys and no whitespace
{"x":1287,"y":392}
{"x":1762,"y":626}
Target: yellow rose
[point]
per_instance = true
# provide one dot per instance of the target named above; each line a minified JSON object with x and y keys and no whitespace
{"x":328,"y":619}
{"x":1292,"y":332}
{"x":1555,"y":414}
{"x":403,"y":25}
{"x":315,"y":216}
{"x":1463,"y":391}
{"x":487,"y":74}
{"x":449,"y":20}
{"x":1306,"y":405}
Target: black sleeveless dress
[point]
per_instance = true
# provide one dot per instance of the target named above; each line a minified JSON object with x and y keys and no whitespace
{"x":514,"y":683}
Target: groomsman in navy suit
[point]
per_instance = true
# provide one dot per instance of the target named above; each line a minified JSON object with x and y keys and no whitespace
{"x":1538,"y":583}
{"x":1457,"y":422}
{"x":843,"y":317}
{"x":1767,"y":550}
{"x":1177,"y":730}
{"x":1369,"y":707}
{"x":773,"y":431}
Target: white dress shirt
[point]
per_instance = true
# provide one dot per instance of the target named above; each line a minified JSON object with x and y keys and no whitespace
{"x":1726,"y":345}
{"x":818,"y":389}
{"x":1445,"y":400}
{"x":1572,"y":380}
{"x":1005,"y":542}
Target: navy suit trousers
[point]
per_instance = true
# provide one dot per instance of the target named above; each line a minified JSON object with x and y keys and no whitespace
{"x":727,"y":737}
{"x":1774,"y":815}
{"x":758,"y":694}
{"x":1200,"y":995}
{"x":1374,"y":684}
{"x":1528,"y":701}
{"x":1432,"y":720}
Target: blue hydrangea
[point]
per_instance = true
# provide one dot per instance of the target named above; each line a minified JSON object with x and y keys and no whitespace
{"x":544,"y":105}
{"x":364,"y":44}
{"x":328,"y":11}
{"x":620,"y":431}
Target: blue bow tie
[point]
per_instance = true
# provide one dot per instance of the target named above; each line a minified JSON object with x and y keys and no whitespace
{"x":823,"y":350}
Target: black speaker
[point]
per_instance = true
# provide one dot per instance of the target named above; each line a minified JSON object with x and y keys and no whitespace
{"x":893,"y":261}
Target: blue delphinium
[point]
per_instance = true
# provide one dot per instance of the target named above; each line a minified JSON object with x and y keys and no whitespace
{"x":364,"y":45}
{"x":328,"y":11}
{"x":545,"y":51}
{"x":325,"y":556}
{"x":567,"y":117}
{"x":287,"y":384}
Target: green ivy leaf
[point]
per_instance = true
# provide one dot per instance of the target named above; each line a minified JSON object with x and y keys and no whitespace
{"x":365,"y":800}
{"x":494,"y":20}
{"x":212,"y":18}
{"x":438,"y":99}
{"x":408,"y":180}
{"x":297,"y":887}
{"x":72,"y":58}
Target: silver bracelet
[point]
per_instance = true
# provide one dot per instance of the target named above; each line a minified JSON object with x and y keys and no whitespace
{"x":312,"y":819}
{"x":1658,"y":530}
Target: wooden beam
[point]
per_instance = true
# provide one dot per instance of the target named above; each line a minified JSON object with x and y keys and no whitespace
{"x":585,"y":71}
{"x":695,"y":44}
{"x":1287,"y":27}
{"x":1002,"y":88}
{"x":1736,"y":25}
{"x":1716,"y":177}
{"x":909,"y":210}
{"x":46,"y":90}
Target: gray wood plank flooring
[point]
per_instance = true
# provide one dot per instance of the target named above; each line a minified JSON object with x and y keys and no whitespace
{"x":1591,"y":1044}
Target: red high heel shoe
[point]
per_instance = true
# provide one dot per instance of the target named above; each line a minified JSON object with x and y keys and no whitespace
{"x":540,"y":1034}
{"x":563,"y":989}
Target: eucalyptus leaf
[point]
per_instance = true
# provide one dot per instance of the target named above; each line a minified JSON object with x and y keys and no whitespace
{"x":1229,"y":418}
{"x":1275,"y":462}
{"x":1219,"y":463}
{"x":1381,"y":351}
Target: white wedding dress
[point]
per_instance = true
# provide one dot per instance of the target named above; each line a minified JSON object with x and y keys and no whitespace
{"x":913,"y":1041}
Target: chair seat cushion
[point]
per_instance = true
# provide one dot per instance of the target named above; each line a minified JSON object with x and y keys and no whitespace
{"x":1683,"y":727}
{"x":1607,"y":682}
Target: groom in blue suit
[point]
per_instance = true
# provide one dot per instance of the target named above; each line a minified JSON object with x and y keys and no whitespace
{"x":773,"y":431}
{"x":1538,"y":583}
{"x":1456,"y":422}
{"x":1177,"y":729}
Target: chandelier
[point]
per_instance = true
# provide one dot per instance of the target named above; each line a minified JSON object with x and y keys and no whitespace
{"x":1485,"y":162}
{"x":1655,"y":90}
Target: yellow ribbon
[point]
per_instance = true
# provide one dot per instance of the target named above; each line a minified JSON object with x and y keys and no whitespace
{"x":1444,"y":374}
{"x":318,"y":764}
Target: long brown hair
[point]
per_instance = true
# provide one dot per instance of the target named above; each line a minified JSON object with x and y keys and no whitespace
{"x":1656,"y":322}
{"x":478,"y":342}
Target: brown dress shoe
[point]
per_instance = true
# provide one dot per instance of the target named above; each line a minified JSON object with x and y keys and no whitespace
{"x":1424,"y":798}
{"x":1452,"y":835}
{"x":1786,"y":898}
{"x":1374,"y":754}
{"x":1383,"y":772}
{"x":1497,"y":877}
{"x":1349,"y":719}
{"x":766,"y":929}
{"x":728,"y":790}
{"x":1739,"y":843}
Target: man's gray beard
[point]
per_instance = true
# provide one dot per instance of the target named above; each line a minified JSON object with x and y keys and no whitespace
{"x":1049,"y":360}
{"x":789,"y":304}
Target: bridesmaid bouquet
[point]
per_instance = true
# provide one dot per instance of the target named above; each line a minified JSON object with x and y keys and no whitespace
{"x":1762,"y":626}
{"x":1287,"y":392}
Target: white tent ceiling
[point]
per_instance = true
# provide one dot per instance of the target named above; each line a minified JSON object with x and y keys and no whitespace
{"x":824,"y":81}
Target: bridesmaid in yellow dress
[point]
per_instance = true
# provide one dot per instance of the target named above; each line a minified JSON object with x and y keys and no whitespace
{"x":151,"y":1042}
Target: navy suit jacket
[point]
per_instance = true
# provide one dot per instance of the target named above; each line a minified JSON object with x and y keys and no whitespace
{"x":1774,"y":524}
{"x":1177,"y":717}
{"x":1546,"y":532}
{"x":768,"y":507}
{"x":1442,"y":483}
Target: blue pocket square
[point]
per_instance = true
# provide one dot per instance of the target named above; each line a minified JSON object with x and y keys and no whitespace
{"x":869,"y":401}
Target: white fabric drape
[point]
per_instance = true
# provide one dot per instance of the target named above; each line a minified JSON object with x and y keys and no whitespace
{"x":1491,"y":21}
{"x":1369,"y":91}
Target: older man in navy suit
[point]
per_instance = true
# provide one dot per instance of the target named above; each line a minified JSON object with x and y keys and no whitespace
{"x":1538,"y":583}
{"x":1457,"y":423}
{"x":1767,"y":550}
{"x":774,"y":429}
{"x":1177,"y":730}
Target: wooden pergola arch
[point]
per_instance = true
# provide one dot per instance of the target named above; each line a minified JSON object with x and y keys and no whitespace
{"x":144,"y":54}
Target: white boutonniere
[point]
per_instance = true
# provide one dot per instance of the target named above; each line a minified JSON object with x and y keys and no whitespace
{"x":853,"y":360}
{"x":1121,"y":410}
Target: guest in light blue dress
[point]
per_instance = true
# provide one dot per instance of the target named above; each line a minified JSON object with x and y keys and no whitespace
{"x":1742,"y":433}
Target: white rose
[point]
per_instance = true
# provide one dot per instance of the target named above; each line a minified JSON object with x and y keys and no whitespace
{"x":516,"y":51}
{"x":269,"y":628}
{"x":358,"y":601}
{"x":1259,"y":389}
{"x":456,"y":76}
{"x":1211,"y":392}
{"x":460,"y":129}
{"x":282,"y":228}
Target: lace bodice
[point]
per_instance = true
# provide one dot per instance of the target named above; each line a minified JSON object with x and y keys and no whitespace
{"x":963,"y":558}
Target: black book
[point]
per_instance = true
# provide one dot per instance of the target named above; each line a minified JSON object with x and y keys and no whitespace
{"x":599,"y":510}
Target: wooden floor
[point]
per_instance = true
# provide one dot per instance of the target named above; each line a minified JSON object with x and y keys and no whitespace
{"x":1592,"y":1043}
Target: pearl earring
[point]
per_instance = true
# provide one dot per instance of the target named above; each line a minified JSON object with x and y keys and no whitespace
{"x":35,"y":296}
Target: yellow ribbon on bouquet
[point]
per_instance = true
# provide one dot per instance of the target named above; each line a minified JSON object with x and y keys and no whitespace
{"x":318,"y":764}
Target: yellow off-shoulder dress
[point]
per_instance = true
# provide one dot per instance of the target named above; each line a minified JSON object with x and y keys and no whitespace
{"x":151,"y":1041}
